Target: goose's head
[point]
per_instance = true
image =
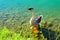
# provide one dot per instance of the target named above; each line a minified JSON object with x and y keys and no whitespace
{"x":31,"y":10}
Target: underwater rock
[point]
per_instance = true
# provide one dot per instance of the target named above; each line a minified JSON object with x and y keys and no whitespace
{"x":49,"y":34}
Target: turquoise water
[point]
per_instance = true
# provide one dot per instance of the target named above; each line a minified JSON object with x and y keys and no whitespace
{"x":15,"y":16}
{"x":48,"y":8}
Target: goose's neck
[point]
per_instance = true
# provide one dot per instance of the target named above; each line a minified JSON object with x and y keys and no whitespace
{"x":33,"y":15}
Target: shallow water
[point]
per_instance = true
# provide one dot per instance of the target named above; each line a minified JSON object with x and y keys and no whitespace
{"x":48,"y":8}
{"x":15,"y":16}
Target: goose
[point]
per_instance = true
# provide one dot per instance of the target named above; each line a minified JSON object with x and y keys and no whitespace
{"x":35,"y":21}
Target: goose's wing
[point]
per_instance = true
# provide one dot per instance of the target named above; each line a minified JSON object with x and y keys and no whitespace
{"x":38,"y":19}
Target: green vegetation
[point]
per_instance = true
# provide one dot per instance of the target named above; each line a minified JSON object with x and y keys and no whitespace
{"x":15,"y":26}
{"x":19,"y":29}
{"x":14,"y":19}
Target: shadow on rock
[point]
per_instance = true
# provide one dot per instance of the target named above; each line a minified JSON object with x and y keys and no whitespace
{"x":49,"y":34}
